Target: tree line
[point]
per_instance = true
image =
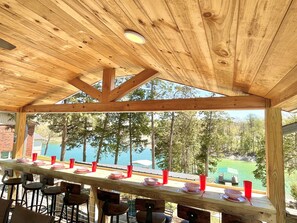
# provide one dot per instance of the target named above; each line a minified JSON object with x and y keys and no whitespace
{"x":188,"y":142}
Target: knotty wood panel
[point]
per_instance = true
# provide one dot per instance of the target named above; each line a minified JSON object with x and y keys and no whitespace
{"x":258,"y":23}
{"x":281,"y":57}
{"x":220,"y":22}
{"x":228,"y":47}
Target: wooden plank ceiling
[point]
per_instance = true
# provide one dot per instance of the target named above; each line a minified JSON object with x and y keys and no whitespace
{"x":230,"y":47}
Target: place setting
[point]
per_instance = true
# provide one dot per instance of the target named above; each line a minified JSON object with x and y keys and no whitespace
{"x":116,"y":175}
{"x":151,"y":182}
{"x":195,"y":187}
{"x":237,"y":196}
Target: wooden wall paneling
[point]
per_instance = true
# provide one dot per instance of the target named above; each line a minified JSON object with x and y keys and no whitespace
{"x":88,"y":89}
{"x":275,"y":161}
{"x":34,"y":77}
{"x":103,"y":39}
{"x":108,"y":83}
{"x":214,"y":103}
{"x":281,"y":57}
{"x":129,"y":15}
{"x":220,"y":22}
{"x":166,"y":36}
{"x":259,"y":22}
{"x":44,"y":41}
{"x":285,"y":90}
{"x":190,"y":25}
{"x":132,"y":84}
{"x":20,"y":130}
{"x":66,"y":27}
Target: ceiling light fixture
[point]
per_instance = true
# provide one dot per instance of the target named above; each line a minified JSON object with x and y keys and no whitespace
{"x":135,"y":37}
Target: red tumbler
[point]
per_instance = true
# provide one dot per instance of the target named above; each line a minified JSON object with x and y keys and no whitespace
{"x":165,"y":176}
{"x":71,"y":163}
{"x":94,"y":166}
{"x":34,"y":157}
{"x":247,"y":188}
{"x":129,"y":170}
{"x":202,"y":182}
{"x":53,"y":160}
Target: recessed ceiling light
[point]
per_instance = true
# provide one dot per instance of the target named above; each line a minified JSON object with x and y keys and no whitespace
{"x":134,"y":36}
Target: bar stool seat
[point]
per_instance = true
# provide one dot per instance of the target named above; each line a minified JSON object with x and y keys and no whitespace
{"x":11,"y":182}
{"x":35,"y":187}
{"x":73,"y":197}
{"x":52,"y":190}
{"x":49,"y":190}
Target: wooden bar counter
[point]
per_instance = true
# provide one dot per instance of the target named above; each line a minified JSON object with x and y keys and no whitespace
{"x":262,"y":208}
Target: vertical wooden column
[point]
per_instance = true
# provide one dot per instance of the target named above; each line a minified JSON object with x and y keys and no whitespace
{"x":275,"y":162}
{"x":20,"y":129}
{"x":108,"y":83}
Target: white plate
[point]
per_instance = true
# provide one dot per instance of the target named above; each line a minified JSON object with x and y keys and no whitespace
{"x":184,"y":189}
{"x":111,"y":177}
{"x":156,"y":185}
{"x":238,"y":200}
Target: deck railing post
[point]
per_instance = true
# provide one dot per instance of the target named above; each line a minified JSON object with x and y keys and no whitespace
{"x":275,"y":162}
{"x":20,"y":129}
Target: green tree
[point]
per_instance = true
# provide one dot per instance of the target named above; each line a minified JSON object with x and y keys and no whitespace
{"x":213,"y":139}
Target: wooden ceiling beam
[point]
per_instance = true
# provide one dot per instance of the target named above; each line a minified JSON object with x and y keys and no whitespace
{"x":88,"y":89}
{"x":214,"y":103}
{"x":283,"y":99}
{"x":8,"y":109}
{"x":108,"y":83}
{"x":132,"y":84}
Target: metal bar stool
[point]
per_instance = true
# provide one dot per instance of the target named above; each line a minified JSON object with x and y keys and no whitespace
{"x":34,"y":187}
{"x":73,"y":197}
{"x":112,"y":206}
{"x":192,"y":215}
{"x":49,"y":190}
{"x":12,"y":182}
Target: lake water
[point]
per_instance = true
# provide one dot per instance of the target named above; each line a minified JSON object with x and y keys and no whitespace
{"x":244,"y":168}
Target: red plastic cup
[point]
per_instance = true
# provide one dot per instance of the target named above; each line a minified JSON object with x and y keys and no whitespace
{"x":247,"y":188}
{"x":202,"y":182}
{"x":71,"y":163}
{"x":94,"y":166}
{"x":34,"y":157}
{"x":165,"y":176}
{"x":53,"y":160}
{"x":129,"y":170}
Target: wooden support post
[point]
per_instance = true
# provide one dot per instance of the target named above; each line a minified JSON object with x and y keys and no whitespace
{"x":108,"y":83}
{"x":275,"y":162}
{"x":20,"y":129}
{"x":93,"y":204}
